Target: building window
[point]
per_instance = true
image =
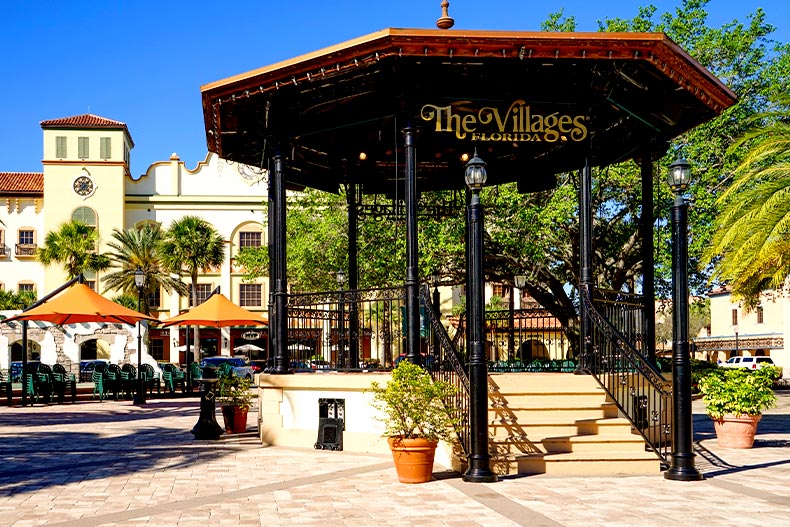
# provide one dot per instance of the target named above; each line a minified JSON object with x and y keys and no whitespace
{"x":83,"y":149}
{"x":498,"y":290}
{"x":250,"y":295}
{"x":759,"y":314}
{"x":26,"y":286}
{"x":155,"y":298}
{"x":90,"y":278}
{"x":202,"y":291}
{"x":26,"y":237}
{"x":734,"y":317}
{"x":60,"y":147}
{"x":85,"y":215}
{"x":105,"y":151}
{"x":249,"y":239}
{"x":156,"y":349}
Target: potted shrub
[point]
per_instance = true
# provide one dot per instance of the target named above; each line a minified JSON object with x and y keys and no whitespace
{"x":233,"y":394}
{"x":415,"y":418}
{"x":735,"y":398}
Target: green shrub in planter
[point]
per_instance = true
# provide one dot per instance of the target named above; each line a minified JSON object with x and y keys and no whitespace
{"x":414,"y":405}
{"x":738,"y":391}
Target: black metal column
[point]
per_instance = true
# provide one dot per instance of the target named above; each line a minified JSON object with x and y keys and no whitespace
{"x":682,"y":465}
{"x":353,"y":276}
{"x":412,"y":280}
{"x":279,"y":318}
{"x":585,"y":269}
{"x":271,"y":331}
{"x":24,"y":363}
{"x":479,"y":470}
{"x":648,"y":271}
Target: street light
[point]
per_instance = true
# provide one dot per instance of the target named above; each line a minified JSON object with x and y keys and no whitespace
{"x":341,"y":280}
{"x":139,"y":282}
{"x":519,"y":282}
{"x":479,"y":470}
{"x":682,"y":464}
{"x":436,"y":301}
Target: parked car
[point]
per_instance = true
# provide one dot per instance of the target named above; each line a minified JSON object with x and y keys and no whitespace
{"x":259,"y":366}
{"x":239,"y":366}
{"x":751,"y":363}
{"x":319,"y":364}
{"x":87,"y":368}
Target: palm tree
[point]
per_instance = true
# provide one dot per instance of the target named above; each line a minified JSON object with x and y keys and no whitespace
{"x":751,"y":246}
{"x":12,"y":300}
{"x":189,"y":246}
{"x":135,"y":248}
{"x":74,"y":246}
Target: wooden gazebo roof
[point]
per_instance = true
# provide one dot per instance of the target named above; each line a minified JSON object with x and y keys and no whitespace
{"x":532,"y":103}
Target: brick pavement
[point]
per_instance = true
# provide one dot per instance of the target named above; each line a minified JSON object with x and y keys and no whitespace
{"x":115,"y":464}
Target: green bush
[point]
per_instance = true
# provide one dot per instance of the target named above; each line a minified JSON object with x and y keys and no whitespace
{"x":414,"y":405}
{"x":738,"y":391}
{"x":233,"y":390}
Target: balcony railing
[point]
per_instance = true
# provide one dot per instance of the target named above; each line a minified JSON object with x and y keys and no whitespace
{"x":4,"y":251}
{"x":26,"y":249}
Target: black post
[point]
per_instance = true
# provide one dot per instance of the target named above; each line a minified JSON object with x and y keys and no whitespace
{"x":682,"y":465}
{"x":353,"y":277}
{"x":341,"y":321}
{"x":279,"y":318}
{"x":585,"y":270}
{"x":479,"y":470}
{"x":648,"y":274}
{"x":412,"y":285}
{"x":139,"y":396}
{"x":24,"y":363}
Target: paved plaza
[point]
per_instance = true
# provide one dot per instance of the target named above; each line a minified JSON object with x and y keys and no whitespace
{"x":115,"y":464}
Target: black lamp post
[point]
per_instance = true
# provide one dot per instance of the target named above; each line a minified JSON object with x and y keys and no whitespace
{"x":682,"y":465}
{"x":479,"y":470}
{"x":520,"y":282}
{"x":139,"y":282}
{"x":436,"y":301}
{"x":341,"y":280}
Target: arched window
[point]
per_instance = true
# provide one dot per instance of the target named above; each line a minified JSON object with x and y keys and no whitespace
{"x":86,"y":215}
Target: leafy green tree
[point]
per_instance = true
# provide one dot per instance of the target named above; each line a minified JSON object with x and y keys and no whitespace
{"x":126,"y":300}
{"x":74,"y":246}
{"x":191,"y":245}
{"x":135,"y":248}
{"x":751,"y":244}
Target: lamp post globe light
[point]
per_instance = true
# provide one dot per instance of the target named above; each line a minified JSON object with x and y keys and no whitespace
{"x":682,"y":464}
{"x":139,"y":282}
{"x":479,"y":470}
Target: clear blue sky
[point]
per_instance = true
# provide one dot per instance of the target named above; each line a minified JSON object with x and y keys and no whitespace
{"x":143,"y":62}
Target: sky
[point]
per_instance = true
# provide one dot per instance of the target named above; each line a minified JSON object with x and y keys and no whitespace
{"x":143,"y":62}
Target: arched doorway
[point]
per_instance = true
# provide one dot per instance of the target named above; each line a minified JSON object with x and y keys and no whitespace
{"x":532,"y":349}
{"x":33,"y":351}
{"x":94,"y":349}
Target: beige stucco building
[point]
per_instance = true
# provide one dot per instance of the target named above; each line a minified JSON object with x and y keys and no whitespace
{"x":86,"y":176}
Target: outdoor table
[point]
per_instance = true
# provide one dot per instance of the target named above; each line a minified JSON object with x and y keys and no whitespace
{"x":207,"y":426}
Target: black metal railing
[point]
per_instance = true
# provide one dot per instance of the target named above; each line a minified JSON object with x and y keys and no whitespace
{"x":527,"y":340}
{"x":634,"y":384}
{"x":327,"y":330}
{"x":26,"y":249}
{"x":446,"y":363}
{"x":624,"y":311}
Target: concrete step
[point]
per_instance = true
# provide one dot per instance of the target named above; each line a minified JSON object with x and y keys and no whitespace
{"x":609,"y":463}
{"x":593,"y":443}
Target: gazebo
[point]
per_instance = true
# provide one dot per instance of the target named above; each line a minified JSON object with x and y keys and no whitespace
{"x":401,"y":111}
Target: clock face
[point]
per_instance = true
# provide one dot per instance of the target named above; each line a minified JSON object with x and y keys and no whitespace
{"x":83,"y":186}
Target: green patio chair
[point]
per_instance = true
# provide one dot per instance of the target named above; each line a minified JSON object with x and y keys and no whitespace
{"x":98,"y":384}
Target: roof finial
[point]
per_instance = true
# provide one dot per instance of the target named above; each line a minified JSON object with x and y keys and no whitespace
{"x":445,"y":22}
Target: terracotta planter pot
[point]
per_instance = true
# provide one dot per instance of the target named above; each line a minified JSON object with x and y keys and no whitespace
{"x":235,"y":419}
{"x":413,"y":458}
{"x":736,"y":432}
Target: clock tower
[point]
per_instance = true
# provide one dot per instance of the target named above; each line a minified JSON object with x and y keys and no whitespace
{"x":86,"y":161}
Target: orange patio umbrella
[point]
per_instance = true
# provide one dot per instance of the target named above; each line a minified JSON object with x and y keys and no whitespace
{"x":80,"y":303}
{"x":217,"y":311}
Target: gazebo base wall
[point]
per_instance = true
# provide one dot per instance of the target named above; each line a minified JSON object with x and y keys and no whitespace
{"x":289,"y":412}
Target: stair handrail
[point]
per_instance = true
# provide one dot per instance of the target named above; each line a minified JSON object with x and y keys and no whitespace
{"x":447,"y":364}
{"x":623,"y":372}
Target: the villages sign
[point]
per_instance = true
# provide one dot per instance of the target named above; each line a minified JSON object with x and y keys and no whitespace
{"x":518,"y":123}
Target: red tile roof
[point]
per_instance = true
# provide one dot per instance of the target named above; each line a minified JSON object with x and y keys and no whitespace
{"x":88,"y":121}
{"x":21,"y":183}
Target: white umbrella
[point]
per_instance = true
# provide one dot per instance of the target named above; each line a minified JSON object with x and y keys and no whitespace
{"x":248,"y":347}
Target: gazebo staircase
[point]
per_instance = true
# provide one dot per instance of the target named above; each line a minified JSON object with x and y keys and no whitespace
{"x":615,"y":419}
